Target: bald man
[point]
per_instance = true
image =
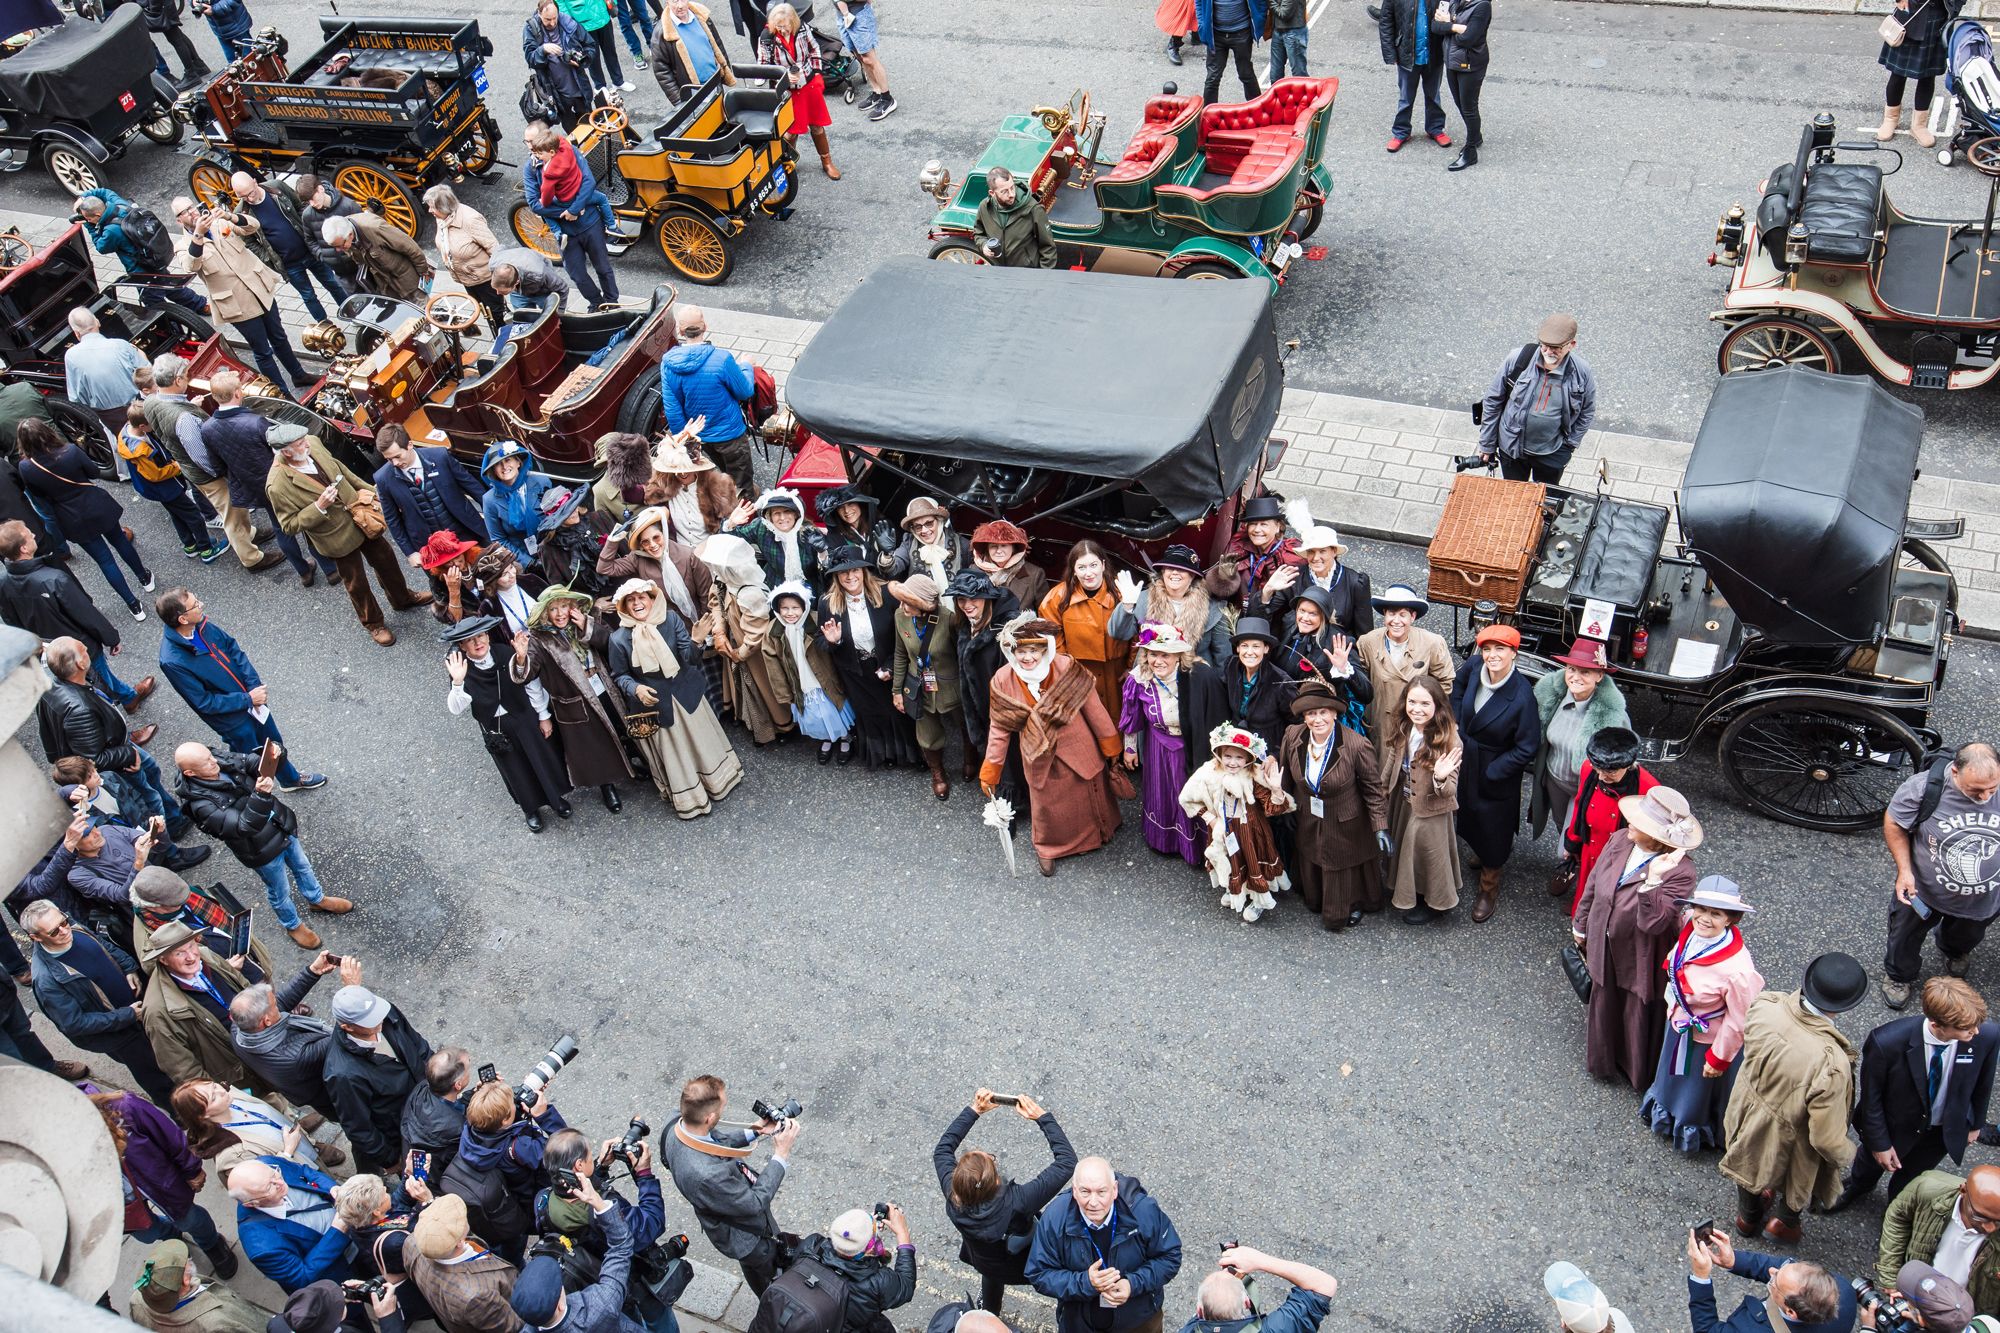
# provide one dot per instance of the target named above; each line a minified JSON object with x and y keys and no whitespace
{"x":1947,"y":1223}
{"x":1223,"y":1304}
{"x":1106,"y":1248}
{"x":1939,"y":830}
{"x":286,"y":1223}
{"x":965,"y":1317}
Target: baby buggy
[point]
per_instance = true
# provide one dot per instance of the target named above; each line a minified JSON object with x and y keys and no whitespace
{"x":1970,"y":111}
{"x":838,"y":67}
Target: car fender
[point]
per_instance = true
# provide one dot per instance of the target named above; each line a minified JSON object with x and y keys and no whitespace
{"x":167,"y":94}
{"x":82,"y":140}
{"x":1226,"y":252}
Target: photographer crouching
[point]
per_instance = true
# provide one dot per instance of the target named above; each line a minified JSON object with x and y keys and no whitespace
{"x":995,"y":1217}
{"x":499,"y":1161}
{"x":1224,"y":1303}
{"x":1922,"y":1298}
{"x":538,"y":1295}
{"x":708,"y":1162}
{"x":1804,"y":1296}
{"x":870,"y":1283}
{"x":573,"y":1236}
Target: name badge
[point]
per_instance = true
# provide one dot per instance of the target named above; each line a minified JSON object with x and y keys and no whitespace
{"x":930,"y":682}
{"x":1317,"y":806}
{"x":1229,"y":842}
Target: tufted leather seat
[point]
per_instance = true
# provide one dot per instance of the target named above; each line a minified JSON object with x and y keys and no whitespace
{"x":1251,"y":171}
{"x":1146,"y":153}
{"x":1842,"y":206}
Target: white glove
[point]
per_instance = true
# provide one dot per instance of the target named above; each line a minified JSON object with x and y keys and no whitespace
{"x":1128,"y":587}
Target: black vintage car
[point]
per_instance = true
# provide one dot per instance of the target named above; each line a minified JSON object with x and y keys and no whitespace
{"x":72,"y":96}
{"x":1802,"y":610}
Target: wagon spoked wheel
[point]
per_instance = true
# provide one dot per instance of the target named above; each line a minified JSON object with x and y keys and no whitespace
{"x":1984,"y":155}
{"x":382,"y":191}
{"x":695,"y":247}
{"x":209,"y":183}
{"x":164,"y":129}
{"x":72,"y":170}
{"x":15,"y":250}
{"x":481,"y":148}
{"x":533,"y":232}
{"x":82,"y":428}
{"x":1819,"y":763}
{"x":955,"y":251}
{"x":1922,"y":555}
{"x":1764,"y":344}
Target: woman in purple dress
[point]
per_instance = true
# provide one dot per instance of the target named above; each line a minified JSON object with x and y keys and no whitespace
{"x":1170,"y":700}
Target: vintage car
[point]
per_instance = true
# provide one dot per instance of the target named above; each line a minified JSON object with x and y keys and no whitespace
{"x":1802,"y":611}
{"x":1224,"y":191}
{"x":384,"y":108}
{"x":723,"y":155}
{"x":1829,"y":260}
{"x":72,"y":96}
{"x":1145,"y":425}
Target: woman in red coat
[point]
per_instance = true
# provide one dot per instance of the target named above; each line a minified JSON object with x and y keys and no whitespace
{"x":1611,"y":772}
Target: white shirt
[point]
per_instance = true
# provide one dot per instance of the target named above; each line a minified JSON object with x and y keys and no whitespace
{"x":1488,"y":687}
{"x":860,"y":625}
{"x":1395,"y":650}
{"x":1931,"y":1044}
{"x":515,"y":605}
{"x":1957,"y":1245}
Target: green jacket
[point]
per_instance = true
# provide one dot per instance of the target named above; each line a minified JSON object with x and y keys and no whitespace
{"x":1023,"y":231}
{"x":906,"y":674}
{"x":294,"y":502}
{"x":590,"y":15}
{"x":216,"y":1310}
{"x":1912,"y":1227}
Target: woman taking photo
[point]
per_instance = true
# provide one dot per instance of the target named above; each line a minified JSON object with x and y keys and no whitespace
{"x":783,"y":45}
{"x":1342,"y":828}
{"x":995,"y":1216}
{"x":1710,"y":984}
{"x":1049,"y":704}
{"x":1625,"y":926}
{"x":62,"y":481}
{"x":1421,"y":758}
{"x":857,"y":622}
{"x":1080,"y":606}
{"x":465,"y":246}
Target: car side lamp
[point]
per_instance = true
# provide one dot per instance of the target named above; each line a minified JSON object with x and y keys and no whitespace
{"x":935,"y":180}
{"x":1797,"y":241}
{"x":1729,"y":237}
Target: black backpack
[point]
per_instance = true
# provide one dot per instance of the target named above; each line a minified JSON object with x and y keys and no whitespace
{"x":148,"y":237}
{"x":808,"y":1297}
{"x":1933,"y":788}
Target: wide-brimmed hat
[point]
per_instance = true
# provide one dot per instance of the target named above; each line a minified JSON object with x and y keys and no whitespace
{"x":793,"y":588}
{"x":845,"y":557}
{"x":1227,"y":737}
{"x":442,"y":549}
{"x":652,"y":516}
{"x":1719,"y":892}
{"x":671,"y":457}
{"x":472,"y":627}
{"x":923,"y":506}
{"x":1580,"y":1306}
{"x":1319,"y":597}
{"x":1156,"y":636}
{"x":1026,"y":628}
{"x":828,"y":502}
{"x":920,"y":589}
{"x":1315,"y":693}
{"x":1504,"y":634}
{"x":634,"y":585}
{"x":1178,"y":556}
{"x":1586,"y":655}
{"x":1835,"y":983}
{"x":730,"y":559}
{"x":1400,"y":597}
{"x":973,"y":584}
{"x":1664,"y":815}
{"x":1320,"y":537}
{"x":165,"y":940}
{"x":1253,"y":627}
{"x":780,"y":497}
{"x":1612,"y":747}
{"x":278,"y":434}
{"x":998,"y":532}
{"x":1260,"y":507}
{"x":557,"y":592}
{"x":558,"y":503}
{"x":501,"y":450}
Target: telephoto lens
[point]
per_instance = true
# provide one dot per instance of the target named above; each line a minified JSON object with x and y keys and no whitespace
{"x":546,"y":1068}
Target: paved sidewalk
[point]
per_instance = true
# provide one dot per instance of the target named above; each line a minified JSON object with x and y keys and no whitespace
{"x":1380,"y":468}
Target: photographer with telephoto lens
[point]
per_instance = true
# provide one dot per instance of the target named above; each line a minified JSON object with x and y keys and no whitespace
{"x":571,"y":1235}
{"x":873,"y":1280}
{"x":995,"y":1216}
{"x":709,"y":1165}
{"x":1225,"y":1305}
{"x":499,"y":1161}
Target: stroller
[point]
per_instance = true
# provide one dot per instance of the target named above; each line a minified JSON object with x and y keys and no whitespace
{"x":838,"y":68}
{"x":1970,"y":110}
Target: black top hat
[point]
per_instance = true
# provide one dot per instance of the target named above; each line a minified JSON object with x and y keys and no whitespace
{"x":1612,"y":747}
{"x":1253,"y":627}
{"x":1320,"y":598}
{"x":1262,"y":506}
{"x":846,"y":557}
{"x":1835,"y":983}
{"x":1179,"y":557}
{"x":470,"y":626}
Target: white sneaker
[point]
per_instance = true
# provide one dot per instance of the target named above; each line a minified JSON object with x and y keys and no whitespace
{"x":628,"y":87}
{"x":148,"y":584}
{"x":1251,"y":911}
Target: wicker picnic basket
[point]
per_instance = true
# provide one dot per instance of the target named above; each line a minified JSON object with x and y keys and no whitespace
{"x":1485,"y":541}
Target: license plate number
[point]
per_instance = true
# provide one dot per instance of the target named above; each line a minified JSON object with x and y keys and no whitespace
{"x":479,"y":80}
{"x":127,"y":102}
{"x":772,"y":186}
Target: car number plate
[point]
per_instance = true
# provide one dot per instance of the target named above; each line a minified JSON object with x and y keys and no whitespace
{"x":772,"y":186}
{"x":127,"y":102}
{"x":479,"y":80}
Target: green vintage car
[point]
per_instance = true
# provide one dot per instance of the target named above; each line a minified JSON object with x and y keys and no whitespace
{"x":1225,"y":191}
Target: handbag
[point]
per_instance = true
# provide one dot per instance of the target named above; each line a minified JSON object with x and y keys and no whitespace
{"x":1578,"y":972}
{"x":538,"y":100}
{"x":1894,"y":30}
{"x":1121,"y":783}
{"x":366,"y":511}
{"x":496,"y":742}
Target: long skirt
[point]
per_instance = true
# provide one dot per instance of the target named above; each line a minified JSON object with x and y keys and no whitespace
{"x":882,"y":736}
{"x":1175,"y":18}
{"x":747,"y":700}
{"x":1335,"y":894}
{"x":531,"y":768}
{"x":1426,"y":864}
{"x":1623,"y":1031}
{"x":1070,"y":815}
{"x":820,"y":720}
{"x":1687,"y":1107}
{"x":1162,"y":774}
{"x":593,"y":752}
{"x":691,"y":760}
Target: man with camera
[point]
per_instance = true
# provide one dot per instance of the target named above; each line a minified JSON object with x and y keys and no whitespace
{"x":1922,"y":1298}
{"x":1012,"y":225}
{"x":539,"y":1297}
{"x":1105,"y":1254}
{"x":872,"y":1282}
{"x":499,"y":1161}
{"x":1223,"y":1304}
{"x":730,"y":1199}
{"x":373,"y":1062}
{"x":1804,"y":1296}
{"x":330,"y":1307}
{"x":572,"y":1233}
{"x":1538,"y":407}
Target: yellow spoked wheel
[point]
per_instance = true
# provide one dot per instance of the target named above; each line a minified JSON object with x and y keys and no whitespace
{"x":381,"y":191}
{"x":209,"y":183}
{"x":481,"y":148}
{"x":695,"y":246}
{"x":533,"y":232}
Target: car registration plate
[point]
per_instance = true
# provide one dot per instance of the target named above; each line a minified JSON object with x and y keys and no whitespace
{"x":127,"y":102}
{"x":772,"y":186}
{"x":479,"y":80}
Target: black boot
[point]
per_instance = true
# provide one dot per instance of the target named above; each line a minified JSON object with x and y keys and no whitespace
{"x":1467,"y":156}
{"x":223,"y":1260}
{"x":611,"y":801}
{"x":1173,"y":50}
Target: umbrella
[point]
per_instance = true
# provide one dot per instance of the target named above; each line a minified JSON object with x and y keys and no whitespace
{"x":999,"y":816}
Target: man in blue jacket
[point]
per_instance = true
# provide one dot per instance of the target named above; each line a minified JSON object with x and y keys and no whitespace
{"x":1806,"y":1297}
{"x":582,"y":220}
{"x":229,"y":20}
{"x":286,"y":1223}
{"x":1226,"y":27}
{"x":88,"y":988}
{"x":213,"y":674}
{"x":556,"y":47}
{"x":104,"y":214}
{"x":699,"y":379}
{"x":538,"y":1295}
{"x":1105,"y":1254}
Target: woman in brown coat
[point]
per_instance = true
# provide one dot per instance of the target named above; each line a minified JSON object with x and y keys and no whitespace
{"x":560,"y":655}
{"x":1626,"y":923}
{"x":1051,"y":703}
{"x":314,"y":495}
{"x":1080,"y":608}
{"x":1343,"y":819}
{"x":242,"y":289}
{"x":1421,"y":755}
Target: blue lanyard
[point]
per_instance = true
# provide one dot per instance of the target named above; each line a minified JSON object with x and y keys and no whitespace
{"x":1111,"y":1226}
{"x":1313,"y":775}
{"x":256,"y":1118}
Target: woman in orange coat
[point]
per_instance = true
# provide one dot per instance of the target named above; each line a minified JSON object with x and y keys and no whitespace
{"x":1080,"y":608}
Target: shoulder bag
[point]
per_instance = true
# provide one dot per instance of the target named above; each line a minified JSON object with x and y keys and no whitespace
{"x":1577,"y":971}
{"x":1894,"y":30}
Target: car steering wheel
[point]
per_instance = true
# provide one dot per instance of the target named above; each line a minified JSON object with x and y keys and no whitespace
{"x":608,"y":119}
{"x":453,"y":312}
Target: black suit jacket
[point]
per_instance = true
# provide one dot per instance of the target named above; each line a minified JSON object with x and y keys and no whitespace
{"x":457,"y":488}
{"x":1892,"y":1111}
{"x":77,"y":720}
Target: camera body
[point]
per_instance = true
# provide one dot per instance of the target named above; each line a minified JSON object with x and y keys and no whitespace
{"x":1467,"y":462}
{"x":626,"y":1150}
{"x":365,"y":1288}
{"x":1893,"y":1311}
{"x":790,"y":1110}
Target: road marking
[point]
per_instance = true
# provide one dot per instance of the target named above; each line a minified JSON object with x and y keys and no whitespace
{"x":1314,"y":10}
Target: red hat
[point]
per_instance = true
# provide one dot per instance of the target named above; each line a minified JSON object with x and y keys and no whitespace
{"x":1506,"y":634}
{"x":443,"y":548}
{"x":999,"y":532}
{"x":1587,"y":654}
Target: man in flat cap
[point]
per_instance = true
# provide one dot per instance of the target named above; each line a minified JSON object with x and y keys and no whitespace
{"x":1539,"y":406}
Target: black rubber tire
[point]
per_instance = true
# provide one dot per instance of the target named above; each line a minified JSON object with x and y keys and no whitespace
{"x":782,"y":199}
{"x":175,"y":132}
{"x":951,"y":248}
{"x":1753,"y":726}
{"x":1207,"y":269}
{"x":194,"y":327}
{"x":642,"y":412}
{"x":82,"y":428}
{"x":1312,"y":213}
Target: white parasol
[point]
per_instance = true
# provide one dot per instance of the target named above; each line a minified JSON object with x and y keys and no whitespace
{"x":999,"y":816}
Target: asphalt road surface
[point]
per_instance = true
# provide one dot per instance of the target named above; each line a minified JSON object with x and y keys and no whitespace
{"x":1615,"y":136}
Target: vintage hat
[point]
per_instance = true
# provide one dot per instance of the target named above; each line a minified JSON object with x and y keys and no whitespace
{"x":1944,"y":1304}
{"x":165,"y":940}
{"x":1319,"y":597}
{"x":1557,"y":329}
{"x":923,"y":506}
{"x":1580,"y":1306}
{"x":631,"y":586}
{"x":998,"y":532}
{"x":1156,"y":636}
{"x":441,"y":1227}
{"x":1178,"y":556}
{"x":1719,"y":892}
{"x":1612,"y":747}
{"x":780,"y":497}
{"x":1026,"y":628}
{"x":317,"y":1307}
{"x":1506,"y":634}
{"x":359,"y":1006}
{"x":164,"y":1274}
{"x":1227,"y":737}
{"x":1664,"y":815}
{"x":828,"y":502}
{"x":443,"y":548}
{"x":795,"y":589}
{"x":843,"y":558}
{"x":851,"y":1232}
{"x":537,"y":1290}
{"x":1400,"y":597}
{"x":493,"y":562}
{"x":1261,"y":506}
{"x":1320,"y":537}
{"x":157,"y":888}
{"x":558,"y":503}
{"x":754,"y":601}
{"x":919,"y":588}
{"x":652,"y":516}
{"x":671,"y":457}
{"x":1586,"y":654}
{"x":501,"y":450}
{"x":730,"y":559}
{"x":557,"y":592}
{"x":1315,"y":693}
{"x":1835,"y":983}
{"x":972,"y":582}
{"x":278,"y":434}
{"x":1253,"y":627}
{"x":473,"y":626}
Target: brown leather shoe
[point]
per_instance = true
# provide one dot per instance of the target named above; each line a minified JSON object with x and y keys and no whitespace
{"x":311,"y":1121}
{"x":1748,"y":1226}
{"x":1489,"y":894}
{"x":310,"y":577}
{"x":264,"y":561}
{"x":304,"y":936}
{"x":142,"y":692}
{"x":330,"y":1154}
{"x":1047,"y":866}
{"x":417,"y":599}
{"x":145,"y":734}
{"x":69,"y":1071}
{"x":331,"y":904}
{"x":1780,"y":1230}
{"x":383,"y":635}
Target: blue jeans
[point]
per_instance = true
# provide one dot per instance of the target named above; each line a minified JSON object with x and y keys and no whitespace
{"x":301,"y":274}
{"x":665,"y":1324}
{"x":142,"y":794}
{"x":196,"y":1226}
{"x":631,"y":12}
{"x":293,"y":551}
{"x":273,"y":873}
{"x":1292,"y":44}
{"x":1406,"y":97}
{"x":58,"y":544}
{"x":246,"y":735}
{"x":120,"y":692}
{"x":233,"y":48}
{"x":100,"y":548}
{"x":271,"y":349}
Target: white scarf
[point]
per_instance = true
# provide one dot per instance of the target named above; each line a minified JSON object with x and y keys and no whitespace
{"x":1034,"y":680}
{"x":650,"y":653}
{"x":795,"y":638}
{"x":933,"y":558}
{"x":788,"y":543}
{"x":676,"y":588}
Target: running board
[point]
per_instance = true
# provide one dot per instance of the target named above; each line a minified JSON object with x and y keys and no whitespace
{"x":1930,"y":375}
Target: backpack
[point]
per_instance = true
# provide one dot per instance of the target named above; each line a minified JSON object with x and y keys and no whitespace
{"x":146,"y":460}
{"x":763,"y":396}
{"x":1515,"y":369}
{"x":148,"y":237}
{"x":1933,"y":788}
{"x":538,"y":100}
{"x":808,"y":1297}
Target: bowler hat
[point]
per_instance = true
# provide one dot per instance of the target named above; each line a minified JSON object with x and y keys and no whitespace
{"x":1253,"y":627}
{"x":1178,"y":556}
{"x":844,"y":558}
{"x":1400,"y":597}
{"x":1835,"y":983}
{"x":1262,"y":506}
{"x":1612,"y":747}
{"x":472,"y":627}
